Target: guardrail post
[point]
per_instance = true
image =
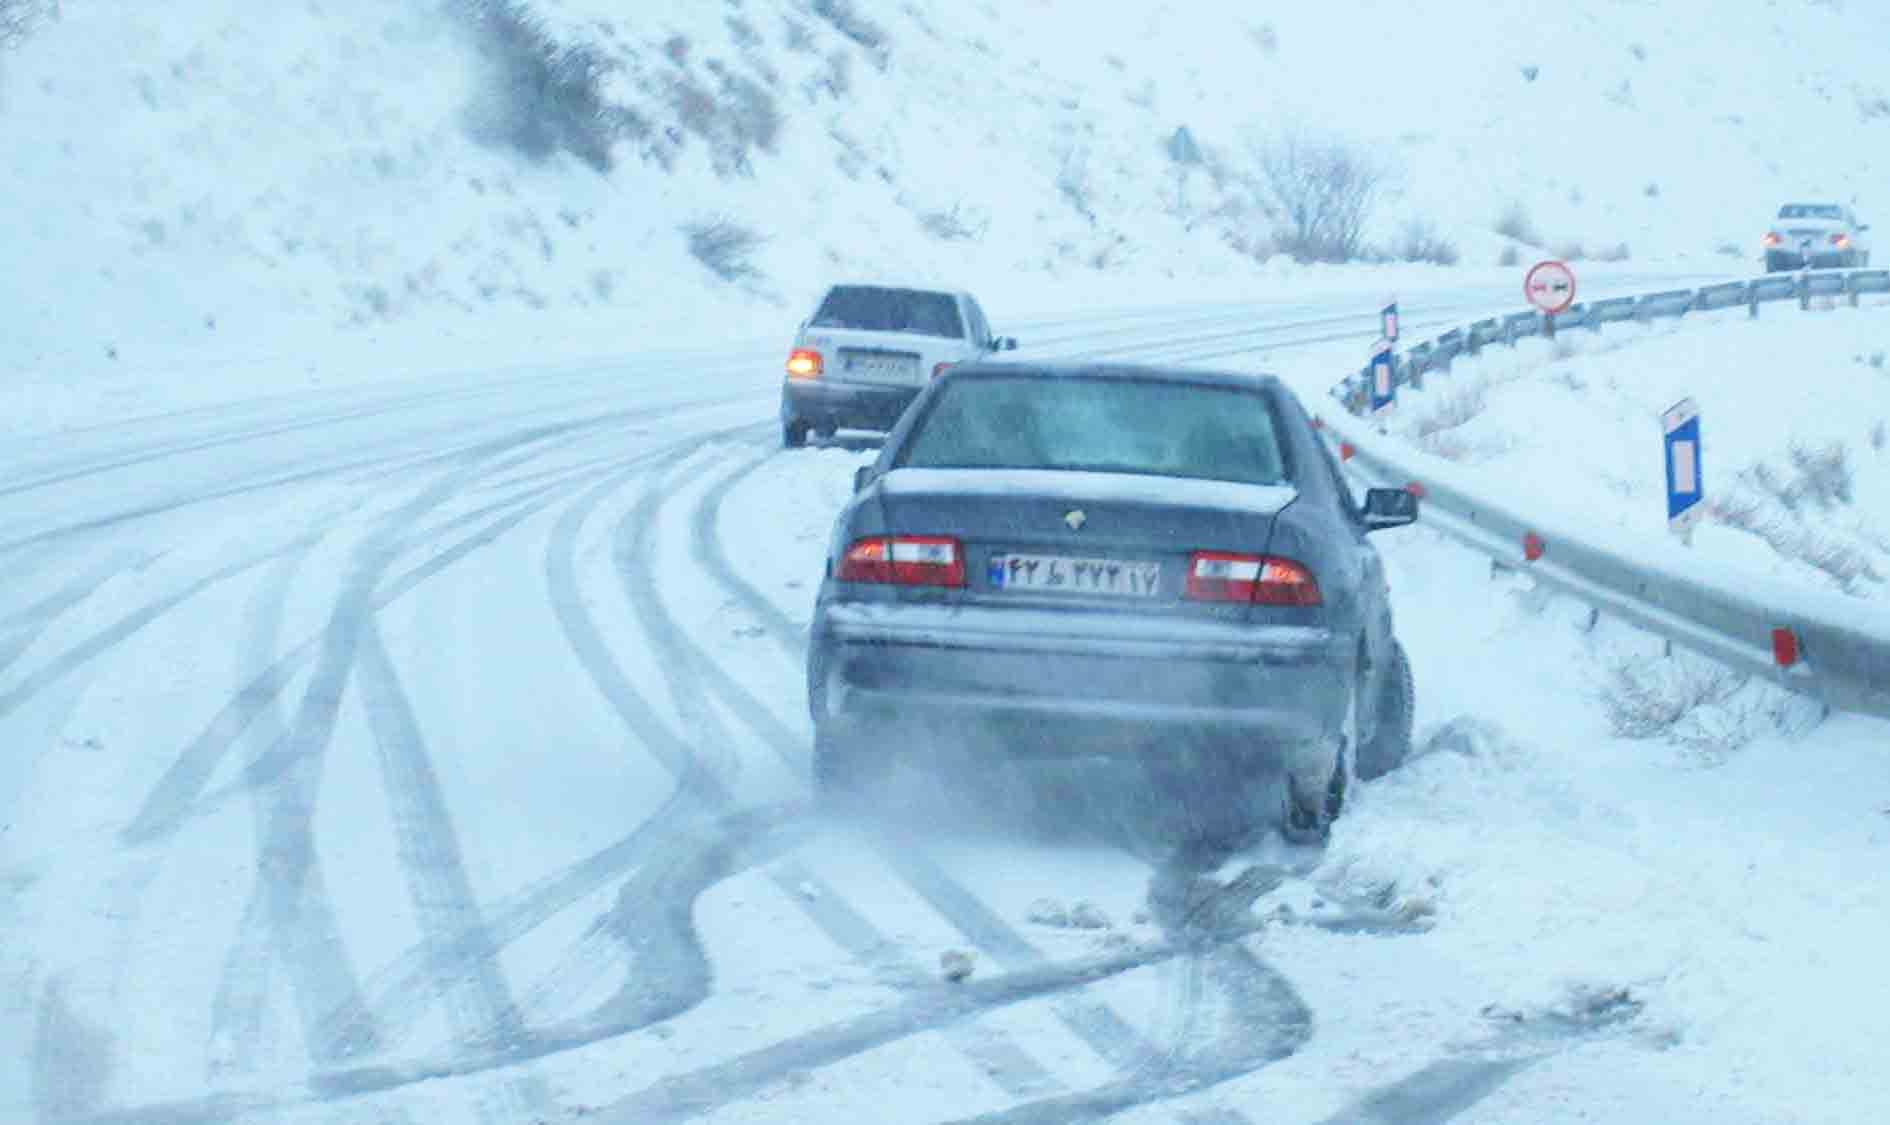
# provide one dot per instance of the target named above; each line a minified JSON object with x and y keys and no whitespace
{"x":1804,"y":292}
{"x":1850,"y":288}
{"x":1752,"y":301}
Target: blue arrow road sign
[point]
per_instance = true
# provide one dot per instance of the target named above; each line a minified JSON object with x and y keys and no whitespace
{"x":1680,"y":426}
{"x":1383,"y":377}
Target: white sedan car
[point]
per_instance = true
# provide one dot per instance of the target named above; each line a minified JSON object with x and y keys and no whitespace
{"x":868,"y":351}
{"x":1816,"y":236}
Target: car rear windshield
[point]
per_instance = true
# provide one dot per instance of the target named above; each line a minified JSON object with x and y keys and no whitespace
{"x":1810,"y":211}
{"x":873,"y":309}
{"x":1121,"y":425}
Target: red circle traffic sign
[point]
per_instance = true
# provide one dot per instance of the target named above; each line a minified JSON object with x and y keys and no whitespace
{"x":1550,"y":286}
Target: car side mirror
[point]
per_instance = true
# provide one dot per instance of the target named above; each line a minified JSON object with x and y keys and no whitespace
{"x":1004,"y":343}
{"x":1389,"y":507}
{"x":862,"y":477}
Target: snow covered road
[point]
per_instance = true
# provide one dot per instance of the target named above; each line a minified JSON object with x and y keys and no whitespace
{"x":438,"y":752}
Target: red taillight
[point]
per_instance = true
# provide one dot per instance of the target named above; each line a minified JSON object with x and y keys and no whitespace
{"x":1840,"y":240}
{"x":939,"y":369}
{"x":1772,"y":238}
{"x":904,"y":560}
{"x":1218,"y":576}
{"x":803,"y":363}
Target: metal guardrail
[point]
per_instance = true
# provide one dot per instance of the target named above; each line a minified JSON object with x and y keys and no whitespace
{"x":1437,"y":355}
{"x":1825,"y":645}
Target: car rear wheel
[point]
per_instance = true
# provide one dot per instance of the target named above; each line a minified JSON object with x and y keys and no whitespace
{"x":1390,"y":743}
{"x":794,"y":433}
{"x":843,"y":766}
{"x":1309,"y":808}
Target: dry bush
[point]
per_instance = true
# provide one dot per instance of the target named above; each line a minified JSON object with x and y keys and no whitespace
{"x":953,"y":225}
{"x":1322,"y":190}
{"x":796,"y":35}
{"x":725,"y":247}
{"x":735,"y":120}
{"x":20,"y":18}
{"x":1421,"y":243}
{"x":1619,"y":252}
{"x":1453,"y":409}
{"x":541,"y":98}
{"x":848,"y":21}
{"x":1515,"y":223}
{"x":1509,"y":257}
{"x":743,"y":32}
{"x":1073,"y":179}
{"x":1647,"y":697}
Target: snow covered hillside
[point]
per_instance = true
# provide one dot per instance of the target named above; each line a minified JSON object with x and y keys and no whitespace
{"x":221,"y":190}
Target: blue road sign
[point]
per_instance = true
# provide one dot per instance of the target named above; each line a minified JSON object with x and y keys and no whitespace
{"x":1384,"y":378}
{"x":1680,"y":427}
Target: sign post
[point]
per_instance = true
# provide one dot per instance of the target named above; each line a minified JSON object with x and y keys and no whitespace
{"x":1384,"y":380}
{"x":1549,"y":286}
{"x":1388,"y":316}
{"x":1680,"y":428}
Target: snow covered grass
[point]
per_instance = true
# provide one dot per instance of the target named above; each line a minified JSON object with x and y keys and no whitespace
{"x":1793,"y":407}
{"x":232,"y":195}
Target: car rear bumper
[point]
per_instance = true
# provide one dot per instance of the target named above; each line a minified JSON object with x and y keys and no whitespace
{"x":1053,"y":682}
{"x":829,"y":404}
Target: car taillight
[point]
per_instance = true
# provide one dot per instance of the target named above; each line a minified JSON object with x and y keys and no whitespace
{"x":904,"y":560}
{"x":1218,"y":576}
{"x":1772,"y":238}
{"x":803,"y":363}
{"x":1840,"y":240}
{"x":939,"y":369}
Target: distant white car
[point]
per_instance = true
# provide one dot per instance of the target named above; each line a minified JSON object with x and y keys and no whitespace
{"x":868,"y":351}
{"x":1818,"y":236}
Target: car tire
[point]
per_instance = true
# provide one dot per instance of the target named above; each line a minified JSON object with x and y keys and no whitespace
{"x":794,"y":433}
{"x":1390,"y":743}
{"x":843,"y":766}
{"x":1307,"y":809}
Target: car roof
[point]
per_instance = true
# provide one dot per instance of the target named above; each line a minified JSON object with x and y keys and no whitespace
{"x":1144,"y":372}
{"x":911,"y":287}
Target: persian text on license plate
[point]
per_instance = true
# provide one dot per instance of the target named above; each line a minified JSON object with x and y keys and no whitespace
{"x":881,"y":366}
{"x":1075,"y":576}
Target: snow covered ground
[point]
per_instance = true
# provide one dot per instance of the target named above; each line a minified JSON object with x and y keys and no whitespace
{"x":1795,"y":411}
{"x":400,"y":667}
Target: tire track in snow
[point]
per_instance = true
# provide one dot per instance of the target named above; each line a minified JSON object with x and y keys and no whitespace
{"x":19,"y":629}
{"x":1094,"y":1022}
{"x":289,"y":916}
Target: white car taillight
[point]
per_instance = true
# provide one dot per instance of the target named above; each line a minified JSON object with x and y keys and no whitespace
{"x":1219,"y":576}
{"x":904,"y":560}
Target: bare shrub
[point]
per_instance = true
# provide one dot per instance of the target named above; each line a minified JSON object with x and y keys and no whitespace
{"x":796,"y":34}
{"x":1619,"y":252}
{"x":1509,"y":257}
{"x":541,"y":98}
{"x":849,"y":22}
{"x":1422,"y":243}
{"x":1073,"y":179}
{"x":1515,"y":223}
{"x":1570,"y":252}
{"x":1265,"y":37}
{"x":725,"y":247}
{"x":953,"y":225}
{"x":1454,"y":408}
{"x":836,"y":78}
{"x":1879,"y":436}
{"x":1647,"y":697}
{"x":20,"y":18}
{"x":743,"y":32}
{"x":738,"y":118}
{"x":1323,"y":190}
{"x":1243,"y":241}
{"x":1873,"y":107}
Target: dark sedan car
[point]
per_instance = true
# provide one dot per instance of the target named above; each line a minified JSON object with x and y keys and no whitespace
{"x":1079,"y":559}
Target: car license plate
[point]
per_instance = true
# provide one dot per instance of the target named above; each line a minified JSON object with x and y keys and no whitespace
{"x":871,"y":365}
{"x":1061,"y":574}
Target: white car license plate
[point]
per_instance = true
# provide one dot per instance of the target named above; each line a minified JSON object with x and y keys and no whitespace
{"x":868,"y":365}
{"x":1062,"y":574}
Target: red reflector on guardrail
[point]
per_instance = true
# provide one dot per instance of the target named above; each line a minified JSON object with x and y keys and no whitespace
{"x":1784,"y":647}
{"x":1346,"y":451}
{"x":1416,"y":488}
{"x":1318,"y":423}
{"x":1533,"y":546}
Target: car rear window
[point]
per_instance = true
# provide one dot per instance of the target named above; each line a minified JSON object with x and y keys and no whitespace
{"x":873,"y":309}
{"x":1810,"y":211}
{"x":1094,"y":424}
